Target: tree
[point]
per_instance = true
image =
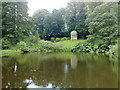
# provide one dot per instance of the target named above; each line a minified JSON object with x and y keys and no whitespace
{"x":54,"y":24}
{"x":75,"y":18}
{"x":103,"y":25}
{"x":39,"y":20}
{"x":15,"y":22}
{"x":49,"y":24}
{"x":92,"y":5}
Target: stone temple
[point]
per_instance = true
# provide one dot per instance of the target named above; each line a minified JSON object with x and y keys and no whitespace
{"x":73,"y":35}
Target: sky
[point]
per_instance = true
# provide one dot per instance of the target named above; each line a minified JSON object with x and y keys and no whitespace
{"x":45,"y":4}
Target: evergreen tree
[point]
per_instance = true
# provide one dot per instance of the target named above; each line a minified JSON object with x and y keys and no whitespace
{"x":15,"y":23}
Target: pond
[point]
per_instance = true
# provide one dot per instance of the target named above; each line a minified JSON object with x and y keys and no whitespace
{"x":59,"y":70}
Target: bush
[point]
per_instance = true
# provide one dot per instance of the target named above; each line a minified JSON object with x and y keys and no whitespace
{"x":88,"y":47}
{"x":65,"y":38}
{"x":5,"y":43}
{"x":113,"y":51}
{"x":61,"y":39}
{"x":83,"y":47}
{"x":25,"y":49}
{"x":58,"y":39}
{"x":95,"y":48}
{"x":32,"y":39}
{"x":52,"y":39}
{"x":46,"y":45}
{"x":21,"y":45}
{"x":41,"y":46}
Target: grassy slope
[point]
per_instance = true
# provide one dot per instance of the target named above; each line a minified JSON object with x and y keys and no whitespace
{"x":64,"y":45}
{"x":67,"y":45}
{"x":9,"y":52}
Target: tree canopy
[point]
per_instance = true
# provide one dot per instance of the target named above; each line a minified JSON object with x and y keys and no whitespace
{"x":15,"y":22}
{"x":103,"y":24}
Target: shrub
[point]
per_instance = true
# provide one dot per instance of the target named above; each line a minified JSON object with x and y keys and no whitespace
{"x":5,"y":43}
{"x":113,"y":51}
{"x":65,"y":38}
{"x":88,"y":47}
{"x":61,"y":39}
{"x":83,"y":47}
{"x":21,"y":44}
{"x":52,"y":39}
{"x":58,"y":39}
{"x":32,"y":39}
{"x":48,"y":45}
{"x":25,"y":49}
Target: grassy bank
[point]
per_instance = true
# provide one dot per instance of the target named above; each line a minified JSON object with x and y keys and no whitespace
{"x":41,"y":46}
{"x":67,"y":45}
{"x":10,"y":52}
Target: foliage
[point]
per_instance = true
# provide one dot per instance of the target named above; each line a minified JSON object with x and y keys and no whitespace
{"x":21,"y":44}
{"x":32,"y":39}
{"x":42,"y":46}
{"x":75,"y":17}
{"x":87,"y":47}
{"x":10,"y":52}
{"x":113,"y":51}
{"x":52,"y":39}
{"x":15,"y":22}
{"x":90,"y":20}
{"x":103,"y":25}
{"x":81,"y":47}
{"x":61,"y":22}
{"x":5,"y":43}
{"x":103,"y":29}
{"x":94,"y":48}
{"x":39,"y":20}
{"x":57,"y":39}
{"x":67,"y":45}
{"x":65,"y":38}
{"x":49,"y":45}
{"x":61,"y":39}
{"x":48,"y":24}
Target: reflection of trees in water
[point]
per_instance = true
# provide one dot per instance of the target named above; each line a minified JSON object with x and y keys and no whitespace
{"x":12,"y":79}
{"x":100,"y":67}
{"x":80,"y":73}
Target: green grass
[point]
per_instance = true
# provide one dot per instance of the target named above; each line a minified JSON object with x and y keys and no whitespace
{"x":67,"y":45}
{"x":10,"y":52}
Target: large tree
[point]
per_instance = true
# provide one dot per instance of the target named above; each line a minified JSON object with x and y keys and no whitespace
{"x":54,"y":24}
{"x":39,"y":21}
{"x":15,"y":22}
{"x":103,"y":24}
{"x":75,"y":18}
{"x":49,"y":24}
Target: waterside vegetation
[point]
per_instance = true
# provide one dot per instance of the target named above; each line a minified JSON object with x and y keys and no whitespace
{"x":50,"y":31}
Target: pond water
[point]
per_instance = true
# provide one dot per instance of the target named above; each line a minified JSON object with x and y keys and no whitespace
{"x":59,"y":70}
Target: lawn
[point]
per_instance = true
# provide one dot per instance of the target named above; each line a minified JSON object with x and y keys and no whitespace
{"x":67,"y":45}
{"x":10,"y":52}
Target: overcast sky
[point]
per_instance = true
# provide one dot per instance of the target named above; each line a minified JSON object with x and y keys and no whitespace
{"x":45,"y":4}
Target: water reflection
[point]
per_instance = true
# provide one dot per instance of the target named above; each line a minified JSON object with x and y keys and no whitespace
{"x":56,"y":70}
{"x":65,"y":68}
{"x":74,"y":61}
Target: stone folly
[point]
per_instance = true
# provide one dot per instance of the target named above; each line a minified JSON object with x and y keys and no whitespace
{"x":73,"y":35}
